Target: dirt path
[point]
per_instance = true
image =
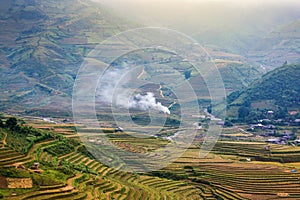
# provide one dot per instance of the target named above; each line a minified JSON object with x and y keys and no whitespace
{"x":141,"y":74}
{"x":89,"y":195}
{"x":172,"y":104}
{"x":70,"y":181}
{"x":4,"y":141}
{"x":160,"y":91}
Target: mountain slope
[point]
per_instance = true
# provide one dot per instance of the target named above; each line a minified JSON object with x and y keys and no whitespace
{"x":43,"y":43}
{"x":282,"y":44}
{"x":230,"y":25}
{"x":278,"y":90}
{"x":42,"y":46}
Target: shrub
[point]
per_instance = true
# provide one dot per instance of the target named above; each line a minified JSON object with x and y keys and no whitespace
{"x":11,"y":123}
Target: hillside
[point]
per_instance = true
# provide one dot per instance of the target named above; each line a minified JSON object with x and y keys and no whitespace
{"x":246,"y":29}
{"x":42,"y":46}
{"x":278,"y":90}
{"x":281,"y":45}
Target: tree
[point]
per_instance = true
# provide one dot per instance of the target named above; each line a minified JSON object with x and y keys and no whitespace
{"x":243,"y":112}
{"x":252,"y":117}
{"x":209,"y":109}
{"x":1,"y":123}
{"x":188,"y":74}
{"x":11,"y":123}
{"x":281,"y":113}
{"x":228,"y":123}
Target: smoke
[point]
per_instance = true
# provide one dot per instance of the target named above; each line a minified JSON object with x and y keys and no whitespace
{"x":147,"y":102}
{"x":113,"y":89}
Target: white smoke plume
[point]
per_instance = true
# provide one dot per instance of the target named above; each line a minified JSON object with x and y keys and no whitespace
{"x":147,"y":102}
{"x":112,"y":85}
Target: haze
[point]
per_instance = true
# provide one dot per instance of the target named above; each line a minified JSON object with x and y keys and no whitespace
{"x":206,"y":20}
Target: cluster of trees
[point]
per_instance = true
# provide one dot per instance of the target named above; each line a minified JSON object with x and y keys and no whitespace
{"x":280,"y":85}
{"x":168,"y":175}
{"x":62,"y":147}
{"x":21,"y":137}
{"x":10,"y":123}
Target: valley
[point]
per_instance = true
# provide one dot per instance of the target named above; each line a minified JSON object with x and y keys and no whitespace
{"x":149,"y":100}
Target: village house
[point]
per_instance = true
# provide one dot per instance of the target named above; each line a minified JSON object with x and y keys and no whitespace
{"x":295,"y":122}
{"x":257,"y":126}
{"x":297,"y":141}
{"x":270,"y":133}
{"x":274,"y":141}
{"x":35,"y":166}
{"x":288,"y":135}
{"x":119,"y":129}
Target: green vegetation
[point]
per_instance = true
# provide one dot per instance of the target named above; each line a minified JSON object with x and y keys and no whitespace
{"x":75,"y":174}
{"x":22,"y":138}
{"x":277,"y":91}
{"x":237,"y":76}
{"x":62,"y":146}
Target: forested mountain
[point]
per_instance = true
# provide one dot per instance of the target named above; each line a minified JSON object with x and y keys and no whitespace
{"x":278,"y":90}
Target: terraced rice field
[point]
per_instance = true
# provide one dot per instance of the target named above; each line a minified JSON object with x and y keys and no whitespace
{"x":252,"y":180}
{"x":215,"y":177}
{"x":257,"y":151}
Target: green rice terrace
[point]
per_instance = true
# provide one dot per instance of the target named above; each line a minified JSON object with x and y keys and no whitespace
{"x":43,"y":160}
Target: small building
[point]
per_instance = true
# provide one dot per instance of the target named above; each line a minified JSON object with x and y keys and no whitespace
{"x":296,"y":122}
{"x":270,"y":126}
{"x":287,"y":133}
{"x":35,"y":166}
{"x":257,"y":126}
{"x":271,"y":133}
{"x":274,"y":140}
{"x":221,"y":123}
{"x":286,"y":137}
{"x":119,"y":129}
{"x":198,"y":125}
{"x":270,"y":112}
{"x":297,"y":141}
{"x":21,"y":167}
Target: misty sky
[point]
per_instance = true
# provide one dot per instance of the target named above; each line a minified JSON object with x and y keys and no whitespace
{"x":188,"y":13}
{"x":115,"y":2}
{"x":214,"y":22}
